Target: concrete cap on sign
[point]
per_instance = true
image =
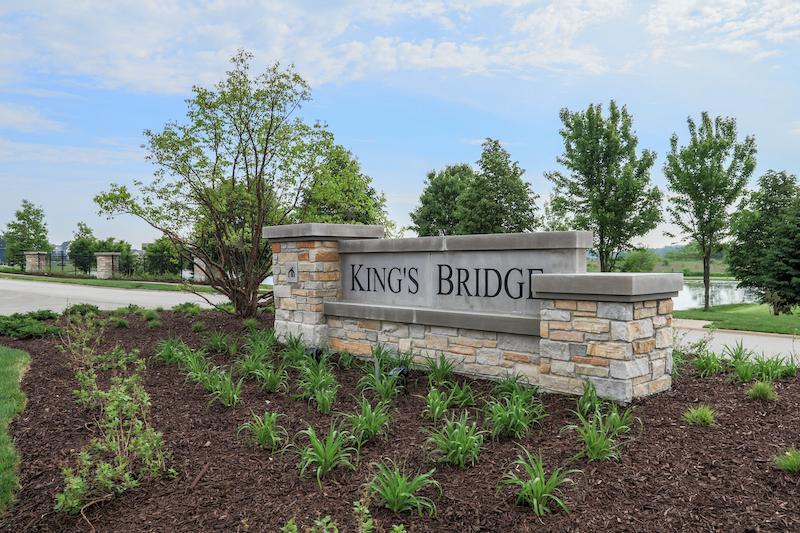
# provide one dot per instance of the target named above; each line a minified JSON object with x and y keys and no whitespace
{"x":35,"y":253}
{"x":543,"y":240}
{"x":317,"y":231}
{"x":611,"y":285}
{"x":107,"y":253}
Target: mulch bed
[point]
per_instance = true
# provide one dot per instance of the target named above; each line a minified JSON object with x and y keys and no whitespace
{"x":671,"y":476}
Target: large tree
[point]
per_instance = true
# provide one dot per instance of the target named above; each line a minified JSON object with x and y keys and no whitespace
{"x":436,"y":213}
{"x":161,"y":257}
{"x":498,"y":199}
{"x":27,"y":232}
{"x":706,"y":177}
{"x":760,"y":250}
{"x":607,"y":186}
{"x":82,"y":248}
{"x":241,"y":160}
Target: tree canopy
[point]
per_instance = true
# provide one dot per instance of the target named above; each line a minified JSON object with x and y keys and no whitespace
{"x":607,"y":186}
{"x":161,"y":257}
{"x":82,"y":248}
{"x":438,"y":203}
{"x":27,"y":232}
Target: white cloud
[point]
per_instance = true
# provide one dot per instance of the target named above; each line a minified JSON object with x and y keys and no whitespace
{"x":13,"y":151}
{"x":25,"y":119}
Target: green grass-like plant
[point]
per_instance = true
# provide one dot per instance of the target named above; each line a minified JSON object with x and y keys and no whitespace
{"x":512,"y":416}
{"x":153,"y":324}
{"x":368,"y":422}
{"x":12,"y":401}
{"x":119,"y":322}
{"x":436,"y":404}
{"x":702,"y":415}
{"x":345,"y":360}
{"x":149,"y":314}
{"x":762,"y":390}
{"x":440,"y":370}
{"x":250,"y":362}
{"x":262,"y":342}
{"x":188,"y":308}
{"x":707,"y":364}
{"x":535,"y":488}
{"x":295,"y":353}
{"x":588,"y":402}
{"x":251,"y":324}
{"x":221,"y":343}
{"x":272,"y":378}
{"x":514,"y":384}
{"x":382,"y":384}
{"x":172,"y":350}
{"x":597,"y":436}
{"x":458,"y":442}
{"x":314,"y":376}
{"x":618,"y":423}
{"x":325,"y":398}
{"x":398,"y":491}
{"x":461,"y":395}
{"x":225,"y":390}
{"x":199,"y":326}
{"x":323,"y":455}
{"x":265,"y":431}
{"x":788,"y":461}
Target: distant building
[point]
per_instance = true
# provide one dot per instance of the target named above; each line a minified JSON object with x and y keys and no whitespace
{"x":62,"y":249}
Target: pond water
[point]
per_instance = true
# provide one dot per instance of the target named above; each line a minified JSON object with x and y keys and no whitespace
{"x":721,"y":293}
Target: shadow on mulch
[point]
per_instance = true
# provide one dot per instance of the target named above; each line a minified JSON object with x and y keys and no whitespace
{"x":670,"y":477}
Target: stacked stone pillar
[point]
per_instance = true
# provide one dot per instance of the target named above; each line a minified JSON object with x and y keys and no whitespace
{"x":107,"y":264}
{"x":35,"y":261}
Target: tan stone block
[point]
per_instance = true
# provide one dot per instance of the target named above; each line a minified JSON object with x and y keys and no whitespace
{"x":587,"y":314}
{"x":651,"y":303}
{"x":304,"y":276}
{"x":369,"y":324}
{"x":302,"y":256}
{"x":569,"y":305}
{"x":611,"y":350}
{"x":404,"y":345}
{"x":563,"y":384}
{"x":307,"y":244}
{"x":587,"y":306}
{"x":566,"y":336}
{"x":325,"y":276}
{"x":517,"y":357}
{"x":591,"y":370}
{"x":557,"y":325}
{"x":461,"y":350}
{"x":591,"y":325}
{"x":436,"y":342}
{"x":644,"y":312}
{"x":357,"y":335}
{"x":645,"y":346}
{"x":276,"y":247}
{"x":596,"y":361}
{"x":354,"y":347}
{"x":665,"y":307}
{"x":544,"y":329}
{"x":289,"y":304}
{"x":325,"y":255}
{"x":334,"y":322}
{"x":544,"y":367}
{"x":664,"y":337}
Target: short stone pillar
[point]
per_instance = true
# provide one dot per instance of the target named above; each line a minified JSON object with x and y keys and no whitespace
{"x":107,"y":264}
{"x":614,"y":330}
{"x":35,"y":261}
{"x":199,"y":270}
{"x":306,"y":272}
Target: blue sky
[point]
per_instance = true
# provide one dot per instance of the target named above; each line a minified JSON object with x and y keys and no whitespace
{"x":407,"y":86}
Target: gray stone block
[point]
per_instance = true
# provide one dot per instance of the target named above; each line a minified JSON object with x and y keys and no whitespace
{"x":629,"y":369}
{"x":613,"y":389}
{"x":615,"y":310}
{"x":518,"y":343}
{"x":554,"y":350}
{"x":577,"y":350}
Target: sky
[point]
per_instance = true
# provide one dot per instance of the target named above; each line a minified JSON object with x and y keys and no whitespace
{"x":408,"y":87}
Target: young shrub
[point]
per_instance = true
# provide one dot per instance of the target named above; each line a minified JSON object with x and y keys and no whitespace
{"x":199,"y":326}
{"x":119,"y":322}
{"x":511,"y":417}
{"x":458,"y":442}
{"x":436,"y":404}
{"x":398,"y":491}
{"x":272,"y":378}
{"x":702,"y":415}
{"x":762,"y":390}
{"x":81,"y":309}
{"x":440,"y":370}
{"x":265,"y":431}
{"x":81,"y":337}
{"x":149,"y":314}
{"x":588,"y":402}
{"x":188,"y":308}
{"x":514,"y":384}
{"x":383,"y":384}
{"x":172,"y":350}
{"x":707,"y":364}
{"x":25,"y":326}
{"x":324,"y":455}
{"x":221,"y":343}
{"x":461,"y":395}
{"x":788,"y":461}
{"x":535,"y":488}
{"x":368,"y":422}
{"x":225,"y":390}
{"x":153,"y":324}
{"x":598,"y":437}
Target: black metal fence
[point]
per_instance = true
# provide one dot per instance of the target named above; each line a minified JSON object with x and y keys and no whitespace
{"x":56,"y":263}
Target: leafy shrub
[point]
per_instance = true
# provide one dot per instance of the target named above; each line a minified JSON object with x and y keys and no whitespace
{"x":536,"y":489}
{"x":440,"y":370}
{"x":188,"y":308}
{"x":221,"y":343}
{"x":397,"y":490}
{"x":43,"y":314}
{"x":325,"y":455}
{"x":702,"y":415}
{"x":598,"y":435}
{"x":199,"y":326}
{"x":461,"y":395}
{"x":436,"y":404}
{"x":588,"y":402}
{"x":25,"y":326}
{"x":368,"y":422}
{"x":153,"y":324}
{"x":82,"y":309}
{"x":381,"y":383}
{"x":762,"y":390}
{"x":511,"y":416}
{"x":149,"y":314}
{"x":224,"y":389}
{"x":271,"y":378}
{"x":81,"y":337}
{"x":119,"y":322}
{"x":788,"y":461}
{"x":265,"y":431}
{"x":458,"y":442}
{"x":707,"y":364}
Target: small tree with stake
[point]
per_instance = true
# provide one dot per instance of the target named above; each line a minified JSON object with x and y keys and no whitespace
{"x":241,"y":161}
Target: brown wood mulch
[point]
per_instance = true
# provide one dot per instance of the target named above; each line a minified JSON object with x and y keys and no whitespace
{"x":671,"y":477}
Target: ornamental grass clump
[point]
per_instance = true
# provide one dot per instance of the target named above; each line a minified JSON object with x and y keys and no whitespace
{"x":295,"y":353}
{"x":250,"y":362}
{"x":461,"y":395}
{"x":788,"y":461}
{"x":762,"y":390}
{"x":188,"y":308}
{"x":221,"y":343}
{"x":265,"y":431}
{"x":397,"y":490}
{"x":382,"y":384}
{"x":707,"y":364}
{"x":535,"y":488}
{"x":599,"y":431}
{"x":436,"y":404}
{"x":440,"y":370}
{"x":458,"y":442}
{"x":512,"y":416}
{"x":261,"y":343}
{"x":224,"y":389}
{"x":272,"y":378}
{"x":323,"y":455}
{"x":368,"y":422}
{"x":315,"y":376}
{"x":588,"y":402}
{"x":172,"y":350}
{"x":514,"y":384}
{"x":702,"y":415}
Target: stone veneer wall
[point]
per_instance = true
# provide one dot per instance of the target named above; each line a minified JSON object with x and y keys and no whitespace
{"x":624,"y":348}
{"x":478,"y":353}
{"x":107,"y":265}
{"x":35,"y":261}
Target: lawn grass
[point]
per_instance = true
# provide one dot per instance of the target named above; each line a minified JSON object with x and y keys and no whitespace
{"x":746,"y":317}
{"x":12,"y":401}
{"x":113,"y":283}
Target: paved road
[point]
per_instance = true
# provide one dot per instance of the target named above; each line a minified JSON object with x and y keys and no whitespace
{"x":19,"y":296}
{"x":768,"y":344}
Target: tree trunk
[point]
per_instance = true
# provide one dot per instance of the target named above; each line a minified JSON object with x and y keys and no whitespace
{"x":706,"y":276}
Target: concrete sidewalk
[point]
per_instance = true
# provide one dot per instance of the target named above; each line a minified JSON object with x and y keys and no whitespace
{"x":767,"y":344}
{"x":20,"y":296}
